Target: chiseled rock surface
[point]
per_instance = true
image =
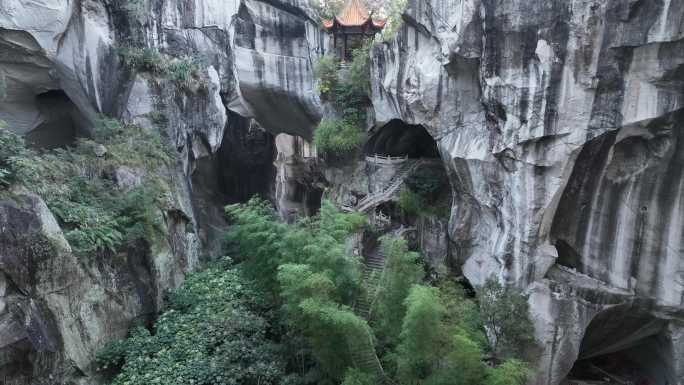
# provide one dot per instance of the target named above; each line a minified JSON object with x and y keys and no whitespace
{"x":560,"y":124}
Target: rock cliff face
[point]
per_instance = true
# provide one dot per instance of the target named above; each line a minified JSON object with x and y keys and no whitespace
{"x":560,"y":125}
{"x":59,"y":70}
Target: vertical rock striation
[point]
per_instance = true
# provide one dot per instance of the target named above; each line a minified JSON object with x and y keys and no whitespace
{"x":560,"y":125}
{"x":60,"y":69}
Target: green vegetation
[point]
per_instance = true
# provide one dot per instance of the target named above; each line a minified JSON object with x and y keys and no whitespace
{"x":12,"y":151}
{"x":76,"y":184}
{"x":505,"y":315}
{"x":212,"y":331}
{"x":394,"y":10}
{"x":311,"y":276}
{"x":184,"y":71}
{"x":402,"y":271}
{"x":421,"y":193}
{"x":325,"y":72}
{"x":349,"y":92}
{"x":216,"y":326}
{"x":338,"y":137}
{"x":425,"y":335}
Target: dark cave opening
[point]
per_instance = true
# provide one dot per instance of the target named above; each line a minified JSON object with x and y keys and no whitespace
{"x":623,"y":345}
{"x":398,"y":138}
{"x":61,"y":122}
{"x":310,"y":197}
{"x":241,"y":168}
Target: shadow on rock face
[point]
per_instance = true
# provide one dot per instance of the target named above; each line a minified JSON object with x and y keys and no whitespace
{"x":619,"y":219}
{"x":241,"y":168}
{"x":61,"y":122}
{"x":625,"y":344}
{"x":397,"y":138}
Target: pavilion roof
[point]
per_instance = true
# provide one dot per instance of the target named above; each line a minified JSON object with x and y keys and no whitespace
{"x":354,"y":14}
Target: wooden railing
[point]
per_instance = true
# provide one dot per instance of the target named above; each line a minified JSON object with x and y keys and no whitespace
{"x":376,"y":158}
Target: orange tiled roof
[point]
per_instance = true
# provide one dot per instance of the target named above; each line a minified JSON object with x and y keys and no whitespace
{"x":354,"y":14}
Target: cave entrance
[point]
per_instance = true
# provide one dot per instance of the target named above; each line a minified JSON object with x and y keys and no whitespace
{"x":241,"y":168}
{"x":60,"y":121}
{"x":624,"y":346}
{"x":399,"y":139}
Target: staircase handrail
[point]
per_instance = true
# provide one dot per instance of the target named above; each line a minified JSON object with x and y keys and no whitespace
{"x":391,"y":187}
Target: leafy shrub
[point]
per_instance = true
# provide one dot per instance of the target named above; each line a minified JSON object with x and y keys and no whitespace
{"x":350,"y":94}
{"x":12,"y":149}
{"x":411,"y":203}
{"x":427,"y":335}
{"x":95,"y":214}
{"x":422,"y":335}
{"x":511,"y":372}
{"x":505,"y":313}
{"x":184,"y":71}
{"x":356,"y":377}
{"x":212,"y":331}
{"x":325,"y":71}
{"x":328,"y":8}
{"x":338,"y":137}
{"x":142,"y":59}
{"x":421,"y":193}
{"x":427,"y":183}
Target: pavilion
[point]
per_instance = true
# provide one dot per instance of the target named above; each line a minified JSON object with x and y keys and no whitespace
{"x":353,"y":26}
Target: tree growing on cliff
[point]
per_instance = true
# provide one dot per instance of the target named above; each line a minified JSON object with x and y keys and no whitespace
{"x":505,"y":313}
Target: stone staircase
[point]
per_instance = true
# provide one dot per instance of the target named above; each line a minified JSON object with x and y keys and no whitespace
{"x":373,"y":199}
{"x":363,"y":349}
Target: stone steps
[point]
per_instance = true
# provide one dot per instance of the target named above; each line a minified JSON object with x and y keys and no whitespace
{"x":363,"y":350}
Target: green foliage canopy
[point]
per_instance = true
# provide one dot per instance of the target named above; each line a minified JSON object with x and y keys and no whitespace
{"x":212,"y":332}
{"x":505,"y":313}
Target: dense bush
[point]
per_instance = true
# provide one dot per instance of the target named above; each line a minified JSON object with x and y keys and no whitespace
{"x":505,"y":313}
{"x":427,"y":183}
{"x":328,"y":8}
{"x":421,"y":193}
{"x":212,"y":331}
{"x":325,"y":72}
{"x":12,"y":150}
{"x":349,"y":92}
{"x":411,"y":203}
{"x":338,"y":137}
{"x":95,"y":214}
{"x":426,"y":335}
